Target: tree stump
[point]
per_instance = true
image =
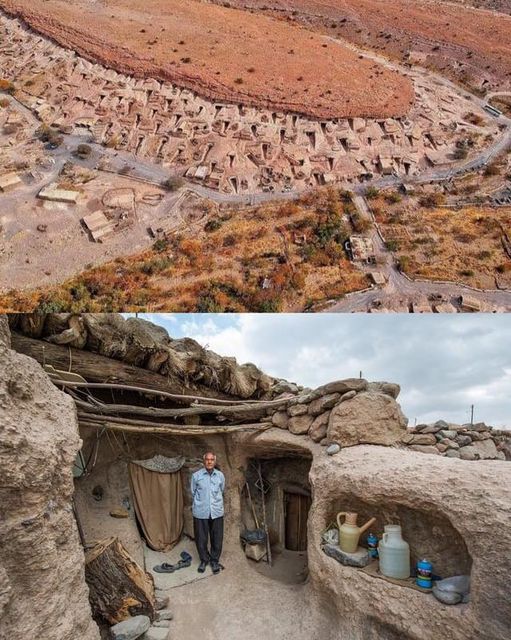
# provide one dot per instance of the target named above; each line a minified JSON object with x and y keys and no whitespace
{"x":119,"y":588}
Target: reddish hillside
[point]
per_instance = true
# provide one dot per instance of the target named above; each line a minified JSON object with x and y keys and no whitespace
{"x":471,"y":46}
{"x":223,"y":54}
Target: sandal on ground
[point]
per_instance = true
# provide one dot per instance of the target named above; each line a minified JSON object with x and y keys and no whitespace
{"x":164,"y":567}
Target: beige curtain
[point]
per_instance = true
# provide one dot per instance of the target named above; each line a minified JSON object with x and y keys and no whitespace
{"x":158,"y":501}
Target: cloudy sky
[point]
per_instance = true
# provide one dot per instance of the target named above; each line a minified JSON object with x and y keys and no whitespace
{"x":443,"y":364}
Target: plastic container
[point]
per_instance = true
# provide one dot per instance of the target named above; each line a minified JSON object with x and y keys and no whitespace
{"x":372,"y":545}
{"x":394,"y":553}
{"x":424,"y":577}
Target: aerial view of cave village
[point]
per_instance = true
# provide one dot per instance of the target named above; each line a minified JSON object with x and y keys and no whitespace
{"x":255,"y":349}
{"x":250,"y":155}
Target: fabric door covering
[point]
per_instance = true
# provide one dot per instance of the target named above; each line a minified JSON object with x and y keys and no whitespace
{"x":158,"y":500}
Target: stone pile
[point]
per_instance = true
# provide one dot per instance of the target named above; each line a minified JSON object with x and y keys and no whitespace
{"x":476,"y":441}
{"x":345,"y":412}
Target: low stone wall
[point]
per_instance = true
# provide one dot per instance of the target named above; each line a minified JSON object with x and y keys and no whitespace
{"x":345,"y":412}
{"x":466,"y":441}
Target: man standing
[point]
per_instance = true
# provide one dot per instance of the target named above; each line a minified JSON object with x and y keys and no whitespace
{"x":208,"y":486}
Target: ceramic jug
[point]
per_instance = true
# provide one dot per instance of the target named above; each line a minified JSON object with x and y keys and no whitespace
{"x":394,"y":553}
{"x":349,"y":533}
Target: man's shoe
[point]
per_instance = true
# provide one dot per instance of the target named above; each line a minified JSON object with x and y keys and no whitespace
{"x":202,"y":567}
{"x":215,"y":567}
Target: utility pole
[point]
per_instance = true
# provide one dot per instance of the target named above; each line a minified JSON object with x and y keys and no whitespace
{"x":471,"y":414}
{"x":360,"y":374}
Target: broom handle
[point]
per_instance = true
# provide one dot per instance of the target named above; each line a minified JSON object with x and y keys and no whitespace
{"x":268,"y":548}
{"x":252,"y":505}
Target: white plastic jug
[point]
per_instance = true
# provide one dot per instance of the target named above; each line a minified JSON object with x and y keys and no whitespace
{"x":394,"y":553}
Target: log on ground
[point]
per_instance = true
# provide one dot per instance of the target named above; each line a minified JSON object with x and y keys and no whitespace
{"x":118,"y":587}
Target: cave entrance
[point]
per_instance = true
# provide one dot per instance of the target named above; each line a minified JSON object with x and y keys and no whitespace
{"x":296,"y":512}
{"x":277,"y":499}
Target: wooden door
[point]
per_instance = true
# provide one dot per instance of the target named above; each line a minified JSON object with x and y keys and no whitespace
{"x":296,"y":513}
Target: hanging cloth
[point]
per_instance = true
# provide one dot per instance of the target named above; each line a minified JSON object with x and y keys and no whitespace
{"x":158,"y":499}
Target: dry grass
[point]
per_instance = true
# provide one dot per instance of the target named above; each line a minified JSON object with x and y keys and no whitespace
{"x":278,"y":257}
{"x":445,"y":244}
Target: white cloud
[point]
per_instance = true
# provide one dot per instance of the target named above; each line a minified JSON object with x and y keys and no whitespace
{"x":442,"y":364}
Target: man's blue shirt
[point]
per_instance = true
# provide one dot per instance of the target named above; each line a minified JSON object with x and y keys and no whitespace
{"x":207,"y":494}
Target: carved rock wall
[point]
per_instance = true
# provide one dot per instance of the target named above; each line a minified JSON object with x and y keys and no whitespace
{"x":42,"y":587}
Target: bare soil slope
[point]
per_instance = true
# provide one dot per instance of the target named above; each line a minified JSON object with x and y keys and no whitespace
{"x":223,"y":54}
{"x":469,"y":45}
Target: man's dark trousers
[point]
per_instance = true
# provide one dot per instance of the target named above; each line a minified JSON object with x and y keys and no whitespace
{"x":214,"y":529}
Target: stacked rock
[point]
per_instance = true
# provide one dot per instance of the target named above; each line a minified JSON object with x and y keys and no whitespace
{"x":345,"y":412}
{"x":467,"y":441}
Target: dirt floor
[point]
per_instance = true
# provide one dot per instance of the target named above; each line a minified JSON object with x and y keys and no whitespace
{"x":248,"y":604}
{"x":276,"y":257}
{"x":471,"y":46}
{"x":192,"y":43}
{"x":466,"y":244}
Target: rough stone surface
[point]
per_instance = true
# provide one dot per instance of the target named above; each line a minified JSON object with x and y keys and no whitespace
{"x":421,"y":438}
{"x":42,"y":587}
{"x":424,"y":493}
{"x":477,"y":426}
{"x":452,"y":453}
{"x":156,"y":633}
{"x":358,"y":559}
{"x":318,"y":428}
{"x":348,"y":396}
{"x":427,"y":428}
{"x":369,"y":418}
{"x":343,"y":386}
{"x":389,"y":388}
{"x":446,"y":433}
{"x":468,"y":453}
{"x":323,"y":403}
{"x":5,"y":334}
{"x":425,"y":448}
{"x":165,"y":614}
{"x":463,"y":441}
{"x":450,"y":444}
{"x":485,"y":449}
{"x":130,"y":629}
{"x":479,"y":435}
{"x":280,"y":419}
{"x":297,"y":410}
{"x":300,"y":424}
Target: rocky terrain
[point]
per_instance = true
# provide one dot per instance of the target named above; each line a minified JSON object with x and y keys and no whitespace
{"x":469,"y":45}
{"x":42,"y":589}
{"x":503,"y":6}
{"x":476,"y":441}
{"x":192,"y":43}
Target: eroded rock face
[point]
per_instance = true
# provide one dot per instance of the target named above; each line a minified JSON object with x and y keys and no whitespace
{"x":367,"y":418}
{"x":42,"y":587}
{"x":451,"y":511}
